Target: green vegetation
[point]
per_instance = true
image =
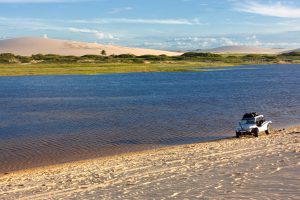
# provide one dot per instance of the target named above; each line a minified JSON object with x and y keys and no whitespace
{"x":12,"y":65}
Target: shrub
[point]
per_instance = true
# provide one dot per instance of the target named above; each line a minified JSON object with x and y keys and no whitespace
{"x":8,"y":58}
{"x":24,"y":59}
{"x":153,"y":57}
{"x":124,"y":56}
{"x":196,"y":54}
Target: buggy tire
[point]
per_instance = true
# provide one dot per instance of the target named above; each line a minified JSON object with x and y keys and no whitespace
{"x":255,"y":132}
{"x":238,"y":134}
{"x":269,"y":130}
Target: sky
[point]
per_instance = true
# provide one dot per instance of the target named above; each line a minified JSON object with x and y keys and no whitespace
{"x":158,"y":24}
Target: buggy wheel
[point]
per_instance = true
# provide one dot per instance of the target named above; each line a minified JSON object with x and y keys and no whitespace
{"x":238,"y":134}
{"x":255,"y":132}
{"x":269,"y":130}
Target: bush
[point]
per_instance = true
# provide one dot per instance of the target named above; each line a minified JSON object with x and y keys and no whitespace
{"x":124,"y":56}
{"x":153,"y":57}
{"x":52,"y":58}
{"x":38,"y":57}
{"x":24,"y":59}
{"x":8,"y":58}
{"x":94,"y":57}
{"x":195,"y":54}
{"x":252,"y":57}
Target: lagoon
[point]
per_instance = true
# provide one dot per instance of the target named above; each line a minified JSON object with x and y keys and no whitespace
{"x":53,"y":119}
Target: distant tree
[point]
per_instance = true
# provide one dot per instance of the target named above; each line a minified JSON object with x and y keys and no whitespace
{"x":103,"y":53}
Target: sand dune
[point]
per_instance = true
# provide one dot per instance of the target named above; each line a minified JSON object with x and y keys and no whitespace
{"x":293,"y":51}
{"x":27,"y":46}
{"x":243,"y":50}
{"x":247,"y":168}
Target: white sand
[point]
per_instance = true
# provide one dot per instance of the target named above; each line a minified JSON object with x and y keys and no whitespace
{"x":267,"y":167}
{"x":28,"y":46}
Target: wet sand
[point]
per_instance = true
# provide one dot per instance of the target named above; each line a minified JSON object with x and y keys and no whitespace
{"x":24,"y":154}
{"x":267,"y":167}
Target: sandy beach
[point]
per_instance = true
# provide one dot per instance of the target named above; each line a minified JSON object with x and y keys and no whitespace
{"x":267,"y":167}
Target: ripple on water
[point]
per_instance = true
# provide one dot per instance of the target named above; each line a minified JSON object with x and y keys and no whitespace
{"x":51,"y":119}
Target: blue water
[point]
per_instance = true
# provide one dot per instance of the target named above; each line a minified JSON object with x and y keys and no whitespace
{"x":65,"y":116}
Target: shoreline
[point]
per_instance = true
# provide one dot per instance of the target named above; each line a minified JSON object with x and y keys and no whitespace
{"x":214,"y":163}
{"x":136,"y":149}
{"x":90,"y":69}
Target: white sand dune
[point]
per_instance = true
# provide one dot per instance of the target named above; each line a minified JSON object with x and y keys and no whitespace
{"x":244,"y":50}
{"x":27,"y":46}
{"x":247,"y":168}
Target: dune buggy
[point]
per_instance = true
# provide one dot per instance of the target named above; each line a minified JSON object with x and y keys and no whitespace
{"x":253,"y":124}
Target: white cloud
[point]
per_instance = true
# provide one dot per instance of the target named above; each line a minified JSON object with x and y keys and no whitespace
{"x":228,"y":42}
{"x":27,"y":23}
{"x":98,"y":34}
{"x":41,"y":24}
{"x":119,"y":10}
{"x":251,"y":37}
{"x":283,"y":40}
{"x":205,"y":42}
{"x":277,"y":9}
{"x":195,"y":21}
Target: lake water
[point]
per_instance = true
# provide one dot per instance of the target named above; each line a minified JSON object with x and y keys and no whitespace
{"x":53,"y":119}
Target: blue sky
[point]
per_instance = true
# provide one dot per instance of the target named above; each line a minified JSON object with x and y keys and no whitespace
{"x":160,"y":24}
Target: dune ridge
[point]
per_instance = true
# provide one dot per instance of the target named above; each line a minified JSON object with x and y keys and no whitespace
{"x":27,"y":46}
{"x":243,"y":50}
{"x":259,"y":168}
{"x":293,"y":51}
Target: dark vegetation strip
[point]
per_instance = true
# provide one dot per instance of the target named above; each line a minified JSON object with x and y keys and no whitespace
{"x":13,"y":65}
